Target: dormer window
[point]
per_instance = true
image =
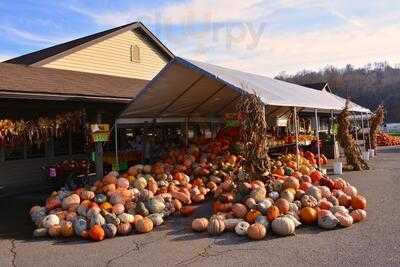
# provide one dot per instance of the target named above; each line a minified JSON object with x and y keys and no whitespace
{"x":135,"y":53}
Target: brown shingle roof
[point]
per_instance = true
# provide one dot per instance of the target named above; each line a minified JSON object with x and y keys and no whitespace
{"x":46,"y":53}
{"x":39,"y":80}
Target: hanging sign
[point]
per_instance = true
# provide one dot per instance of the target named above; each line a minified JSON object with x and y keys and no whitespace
{"x":100,"y":132}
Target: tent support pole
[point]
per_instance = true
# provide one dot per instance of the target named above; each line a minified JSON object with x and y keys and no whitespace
{"x":296,"y":130}
{"x":186,"y":132}
{"x":116,"y":143}
{"x":369,"y":134}
{"x":362,"y":127}
{"x":333,"y":132}
{"x":317,"y":136}
{"x":99,"y":152}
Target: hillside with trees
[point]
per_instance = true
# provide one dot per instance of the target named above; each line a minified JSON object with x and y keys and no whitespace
{"x":370,"y":86}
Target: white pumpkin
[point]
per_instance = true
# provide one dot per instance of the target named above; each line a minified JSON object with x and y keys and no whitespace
{"x":50,"y":220}
{"x":126,"y":218}
{"x":82,"y":210}
{"x":315,"y":192}
{"x":294,"y":218}
{"x":328,"y":221}
{"x":264,"y":205}
{"x":335,"y":209}
{"x":345,"y":219}
{"x":293,"y":208}
{"x":283,"y":226}
{"x":325,"y":191}
{"x":97,"y":219}
{"x":230,"y":224}
{"x":113,"y":173}
{"x":274,"y":195}
{"x":288,"y":195}
{"x":40,"y":232}
{"x":241,"y":228}
{"x":156,"y":218}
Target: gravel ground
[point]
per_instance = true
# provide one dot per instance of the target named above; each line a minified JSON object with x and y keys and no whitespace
{"x":373,"y":242}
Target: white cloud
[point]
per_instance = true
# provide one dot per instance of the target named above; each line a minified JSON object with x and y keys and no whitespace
{"x":357,"y":40}
{"x":195,"y":11}
{"x":23,"y":36}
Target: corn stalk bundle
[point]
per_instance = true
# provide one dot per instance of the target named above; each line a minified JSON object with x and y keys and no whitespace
{"x":376,"y":121}
{"x":254,"y":135}
{"x":346,"y":141}
{"x":40,"y":130}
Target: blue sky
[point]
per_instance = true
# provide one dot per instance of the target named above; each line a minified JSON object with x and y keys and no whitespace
{"x":261,"y":36}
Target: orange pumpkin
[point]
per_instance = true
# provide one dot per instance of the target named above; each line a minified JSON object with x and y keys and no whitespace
{"x":308,"y":215}
{"x":358,"y":202}
{"x":109,"y":188}
{"x":152,"y":185}
{"x":109,"y":179}
{"x":256,"y":231}
{"x":200,"y":224}
{"x":325,"y":205}
{"x":272,"y":213}
{"x":344,"y":200}
{"x":252,"y":215}
{"x":187,"y":210}
{"x":106,"y":206}
{"x":136,"y":218}
{"x":144,"y":226}
{"x":304,"y":170}
{"x":55,"y":230}
{"x":280,"y":171}
{"x":315,"y":176}
{"x":283,"y":205}
{"x":67,"y":230}
{"x":118,"y":208}
{"x":177,"y":204}
{"x":239,"y":210}
{"x":292,"y":165}
{"x":305,"y":186}
{"x":198,"y":198}
{"x":97,"y":233}
{"x":291,"y":182}
{"x":53,"y":203}
{"x":218,"y":206}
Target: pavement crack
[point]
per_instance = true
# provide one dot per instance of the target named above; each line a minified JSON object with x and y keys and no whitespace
{"x":136,"y":248}
{"x":13,"y":251}
{"x":202,"y":254}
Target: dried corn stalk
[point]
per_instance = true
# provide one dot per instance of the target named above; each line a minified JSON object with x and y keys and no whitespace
{"x":346,"y":141}
{"x":376,"y":121}
{"x":254,"y":135}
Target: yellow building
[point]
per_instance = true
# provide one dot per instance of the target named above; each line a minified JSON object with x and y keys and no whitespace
{"x":101,"y":73}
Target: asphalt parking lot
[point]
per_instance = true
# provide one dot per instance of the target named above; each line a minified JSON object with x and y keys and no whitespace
{"x":373,"y":242}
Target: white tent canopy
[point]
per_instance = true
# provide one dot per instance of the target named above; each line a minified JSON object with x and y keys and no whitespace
{"x":186,"y":88}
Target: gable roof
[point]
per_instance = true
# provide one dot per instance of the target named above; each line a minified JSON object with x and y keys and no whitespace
{"x":63,"y":49}
{"x":46,"y":83}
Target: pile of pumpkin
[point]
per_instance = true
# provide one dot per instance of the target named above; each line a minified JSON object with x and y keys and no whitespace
{"x":138,"y":200}
{"x":384,"y":139}
{"x":253,"y":208}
